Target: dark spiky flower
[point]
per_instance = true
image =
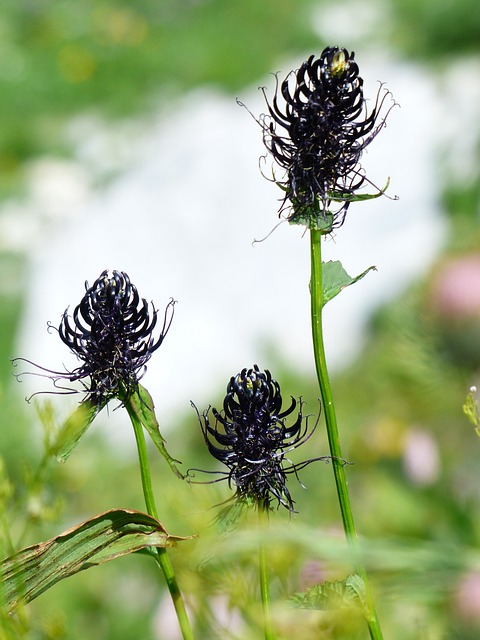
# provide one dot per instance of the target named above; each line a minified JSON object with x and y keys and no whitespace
{"x":318,"y":134}
{"x":111,"y":332}
{"x":252,"y":439}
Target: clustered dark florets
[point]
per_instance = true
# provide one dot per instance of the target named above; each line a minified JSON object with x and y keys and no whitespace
{"x":318,"y":137}
{"x":111,"y":333}
{"x":251,"y":438}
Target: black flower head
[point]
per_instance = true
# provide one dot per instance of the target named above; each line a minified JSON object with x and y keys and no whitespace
{"x":251,"y":438}
{"x":318,"y":137}
{"x":111,"y":332}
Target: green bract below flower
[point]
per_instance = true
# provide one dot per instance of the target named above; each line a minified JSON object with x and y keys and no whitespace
{"x":111,"y":332}
{"x":316,"y":129}
{"x":252,"y":439}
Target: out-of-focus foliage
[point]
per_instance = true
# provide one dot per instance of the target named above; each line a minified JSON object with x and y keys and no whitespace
{"x":12,"y":438}
{"x":57,"y":59}
{"x":433,"y":29}
{"x":414,"y":475}
{"x":60,"y":58}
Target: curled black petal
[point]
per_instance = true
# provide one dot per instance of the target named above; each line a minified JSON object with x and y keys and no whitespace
{"x":250,"y":436}
{"x":112,"y":333}
{"x":316,"y":129}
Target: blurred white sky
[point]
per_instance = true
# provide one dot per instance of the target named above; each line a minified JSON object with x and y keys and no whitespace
{"x":184,"y":201}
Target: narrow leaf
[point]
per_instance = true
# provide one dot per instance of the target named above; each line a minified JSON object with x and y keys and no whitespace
{"x":342,"y":593}
{"x":141,"y":404}
{"x":316,"y":218}
{"x":335,"y":278}
{"x":33,"y":570}
{"x":73,"y":429}
{"x":337,"y":196}
{"x":228,"y":519}
{"x":470,"y":409}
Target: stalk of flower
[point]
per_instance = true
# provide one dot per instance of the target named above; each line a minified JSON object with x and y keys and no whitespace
{"x":112,"y":333}
{"x":316,"y":130}
{"x":252,"y":439}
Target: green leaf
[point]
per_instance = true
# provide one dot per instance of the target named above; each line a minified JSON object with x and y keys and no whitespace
{"x":316,"y":218}
{"x":337,"y":196}
{"x":73,"y":429}
{"x":342,"y":593}
{"x":470,"y":409}
{"x":356,"y":585}
{"x":229,"y":518}
{"x":335,"y":278}
{"x":141,"y":405}
{"x":313,"y":220}
{"x":33,"y":570}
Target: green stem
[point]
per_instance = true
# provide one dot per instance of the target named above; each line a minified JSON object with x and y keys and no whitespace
{"x":160,"y":554}
{"x":264,"y":580}
{"x":317,"y":303}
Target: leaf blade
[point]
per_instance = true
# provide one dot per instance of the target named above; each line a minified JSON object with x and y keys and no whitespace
{"x":72,"y":430}
{"x":141,"y":404}
{"x":335,"y":279}
{"x":109,"y":535}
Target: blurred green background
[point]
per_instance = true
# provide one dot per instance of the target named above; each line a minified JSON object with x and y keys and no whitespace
{"x":415,"y":481}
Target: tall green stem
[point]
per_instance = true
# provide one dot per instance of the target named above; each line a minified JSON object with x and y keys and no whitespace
{"x":160,"y":554}
{"x":317,"y":303}
{"x":264,"y":581}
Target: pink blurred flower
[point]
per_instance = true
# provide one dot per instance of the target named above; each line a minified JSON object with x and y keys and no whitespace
{"x":456,"y":289}
{"x":467,"y":597}
{"x":421,"y":458}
